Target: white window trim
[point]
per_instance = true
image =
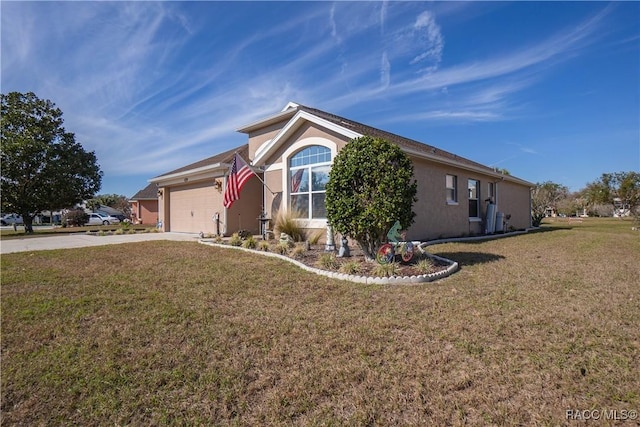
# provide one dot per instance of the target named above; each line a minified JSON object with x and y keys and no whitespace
{"x":495,"y":191}
{"x":477,"y":199}
{"x":289,"y":152}
{"x":455,"y":190}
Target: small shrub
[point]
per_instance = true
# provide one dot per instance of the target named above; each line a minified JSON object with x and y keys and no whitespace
{"x":125,"y":225}
{"x":425,"y":266}
{"x":385,"y":270}
{"x":218,"y":239}
{"x":244,"y":234}
{"x":351,"y":267}
{"x":250,"y":242}
{"x":299,"y":251}
{"x":328,"y":261}
{"x":263,"y":245}
{"x":235,"y":240}
{"x":119,"y":232}
{"x":102,"y":233}
{"x":287,"y":222}
{"x":281,"y":248}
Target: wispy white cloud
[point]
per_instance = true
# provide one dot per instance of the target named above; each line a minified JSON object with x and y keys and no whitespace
{"x":384,"y":6}
{"x":520,"y":66}
{"x":152,"y":86}
{"x":385,"y":70}
{"x":433,"y":42}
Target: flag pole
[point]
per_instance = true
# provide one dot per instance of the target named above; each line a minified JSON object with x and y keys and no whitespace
{"x":263,"y":183}
{"x":254,"y":172}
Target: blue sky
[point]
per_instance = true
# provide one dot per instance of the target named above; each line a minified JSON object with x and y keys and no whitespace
{"x":547,"y":90}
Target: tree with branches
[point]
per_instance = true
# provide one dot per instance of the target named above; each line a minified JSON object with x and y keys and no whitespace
{"x":43,"y":167}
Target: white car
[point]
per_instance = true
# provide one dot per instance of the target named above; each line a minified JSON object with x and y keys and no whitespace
{"x":99,"y":219}
{"x":9,"y":219}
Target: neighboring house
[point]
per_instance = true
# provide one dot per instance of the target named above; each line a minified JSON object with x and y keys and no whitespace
{"x":144,"y":206}
{"x":292,"y":151}
{"x":105,"y":210}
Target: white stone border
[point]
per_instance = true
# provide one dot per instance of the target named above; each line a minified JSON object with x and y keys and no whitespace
{"x":395,"y":280}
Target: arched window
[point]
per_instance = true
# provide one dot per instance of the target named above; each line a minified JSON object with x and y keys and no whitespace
{"x":308,"y":175}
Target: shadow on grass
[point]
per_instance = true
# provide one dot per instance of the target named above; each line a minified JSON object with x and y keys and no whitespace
{"x":476,"y":240}
{"x":470,"y":258}
{"x":546,"y":227}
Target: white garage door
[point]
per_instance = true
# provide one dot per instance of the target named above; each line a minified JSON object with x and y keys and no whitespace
{"x":192,"y":206}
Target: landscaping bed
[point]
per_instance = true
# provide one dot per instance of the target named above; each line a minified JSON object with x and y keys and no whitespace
{"x":316,"y":256}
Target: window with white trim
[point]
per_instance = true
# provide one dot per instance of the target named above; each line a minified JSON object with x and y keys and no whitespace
{"x":308,"y":176}
{"x":452,"y":188}
{"x":474,"y":198}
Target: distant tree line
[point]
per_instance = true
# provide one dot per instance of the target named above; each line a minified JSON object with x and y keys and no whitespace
{"x":613,"y":193}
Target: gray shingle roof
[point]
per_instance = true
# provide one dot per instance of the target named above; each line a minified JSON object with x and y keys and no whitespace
{"x":225,"y":157}
{"x":148,"y":192}
{"x":391,"y":137}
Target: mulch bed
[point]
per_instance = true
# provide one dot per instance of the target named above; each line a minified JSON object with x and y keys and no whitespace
{"x":313,"y":256}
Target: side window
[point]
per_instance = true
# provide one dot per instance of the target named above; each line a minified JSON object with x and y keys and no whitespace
{"x":452,"y":188}
{"x":474,"y":198}
{"x":491,"y":191}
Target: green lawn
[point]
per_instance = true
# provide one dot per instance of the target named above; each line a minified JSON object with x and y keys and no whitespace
{"x":176,"y":333}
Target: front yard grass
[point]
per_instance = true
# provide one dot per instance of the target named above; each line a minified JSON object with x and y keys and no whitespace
{"x":167,"y":333}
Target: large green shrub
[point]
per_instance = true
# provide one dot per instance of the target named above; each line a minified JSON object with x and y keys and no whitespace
{"x":371,"y":186}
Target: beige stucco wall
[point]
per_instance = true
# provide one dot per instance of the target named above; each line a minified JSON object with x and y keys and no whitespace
{"x":435,"y":218}
{"x":190,"y":208}
{"x":514,"y":199}
{"x":244,"y":213}
{"x":260,"y":136}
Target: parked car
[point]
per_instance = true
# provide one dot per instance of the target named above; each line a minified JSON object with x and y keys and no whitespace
{"x":99,"y":219}
{"x":9,"y":219}
{"x":122,"y":218}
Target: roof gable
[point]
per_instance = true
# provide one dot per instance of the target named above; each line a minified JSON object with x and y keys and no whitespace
{"x":265,"y":150}
{"x":220,"y":161}
{"x":148,"y":192}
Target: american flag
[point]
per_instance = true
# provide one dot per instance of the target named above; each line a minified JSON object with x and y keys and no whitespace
{"x":239,"y":173}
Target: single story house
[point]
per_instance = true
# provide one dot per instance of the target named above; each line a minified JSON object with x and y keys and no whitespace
{"x":144,"y":206}
{"x":292,"y":152}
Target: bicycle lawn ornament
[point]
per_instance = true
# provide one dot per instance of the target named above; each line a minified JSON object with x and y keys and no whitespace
{"x":395,"y":245}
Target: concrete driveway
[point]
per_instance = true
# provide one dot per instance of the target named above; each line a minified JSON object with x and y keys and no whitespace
{"x":82,"y":240}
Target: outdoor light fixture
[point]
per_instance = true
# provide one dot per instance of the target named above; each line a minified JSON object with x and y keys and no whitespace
{"x":218,"y":185}
{"x":160,"y":192}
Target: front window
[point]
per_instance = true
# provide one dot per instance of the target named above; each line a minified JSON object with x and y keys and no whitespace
{"x":308,"y":176}
{"x":474,"y":196}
